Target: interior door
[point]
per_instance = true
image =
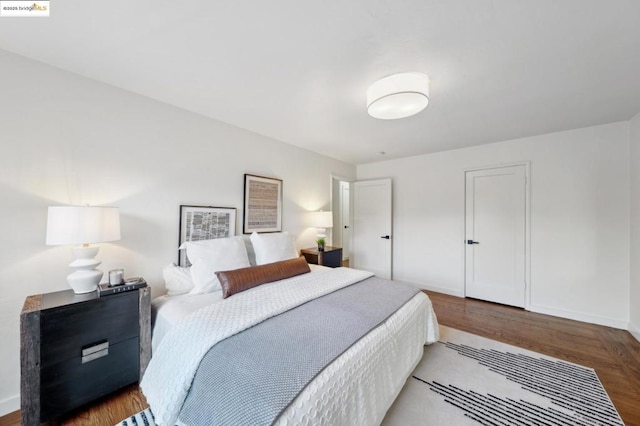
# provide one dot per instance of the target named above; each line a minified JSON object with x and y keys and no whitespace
{"x":345,"y":214}
{"x":495,"y":238}
{"x":371,"y":223}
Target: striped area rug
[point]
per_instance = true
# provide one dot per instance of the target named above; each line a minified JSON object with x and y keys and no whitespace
{"x":143,"y":418}
{"x":468,"y":380}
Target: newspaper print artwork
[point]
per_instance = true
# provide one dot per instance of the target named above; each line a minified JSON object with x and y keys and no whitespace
{"x":204,"y":223}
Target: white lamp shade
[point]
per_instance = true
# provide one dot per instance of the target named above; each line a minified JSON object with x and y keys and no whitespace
{"x":398,"y":96}
{"x":322,"y":220}
{"x":82,"y":225}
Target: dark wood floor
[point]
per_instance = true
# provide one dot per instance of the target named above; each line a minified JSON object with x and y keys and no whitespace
{"x":614,"y":354}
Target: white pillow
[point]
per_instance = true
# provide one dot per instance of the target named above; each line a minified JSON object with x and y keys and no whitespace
{"x":210,"y":256}
{"x":271,"y":248}
{"x":177,"y":279}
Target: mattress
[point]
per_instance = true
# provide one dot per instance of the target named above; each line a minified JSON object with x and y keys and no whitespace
{"x":361,"y":384}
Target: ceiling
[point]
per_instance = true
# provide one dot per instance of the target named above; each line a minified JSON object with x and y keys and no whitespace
{"x":297,"y":71}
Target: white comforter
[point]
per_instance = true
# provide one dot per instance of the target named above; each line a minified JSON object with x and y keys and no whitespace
{"x":173,"y":366}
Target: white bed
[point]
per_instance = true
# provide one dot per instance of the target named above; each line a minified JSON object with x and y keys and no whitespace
{"x":166,"y":311}
{"x":359,"y":386}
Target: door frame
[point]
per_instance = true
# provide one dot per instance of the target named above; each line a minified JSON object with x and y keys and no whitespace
{"x":527,"y":224}
{"x":345,"y":213}
{"x":333,"y":177}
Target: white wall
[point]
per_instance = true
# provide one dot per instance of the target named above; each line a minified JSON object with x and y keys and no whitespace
{"x":69,"y":140}
{"x":634,"y":299}
{"x":579,"y":219}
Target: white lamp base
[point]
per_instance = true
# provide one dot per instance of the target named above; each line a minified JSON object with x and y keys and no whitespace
{"x":85,"y":278}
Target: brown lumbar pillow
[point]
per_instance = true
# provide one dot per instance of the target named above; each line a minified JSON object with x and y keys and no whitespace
{"x":238,"y":280}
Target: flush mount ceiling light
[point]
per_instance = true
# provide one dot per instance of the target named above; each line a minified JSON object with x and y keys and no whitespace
{"x":398,"y":96}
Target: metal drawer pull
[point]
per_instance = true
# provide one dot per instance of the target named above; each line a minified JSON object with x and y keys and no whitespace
{"x":94,"y":352}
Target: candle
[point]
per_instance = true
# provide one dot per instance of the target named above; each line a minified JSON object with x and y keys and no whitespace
{"x":116,"y":277}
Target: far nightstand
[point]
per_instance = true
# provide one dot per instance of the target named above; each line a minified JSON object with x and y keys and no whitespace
{"x":331,"y":256}
{"x":76,"y":348}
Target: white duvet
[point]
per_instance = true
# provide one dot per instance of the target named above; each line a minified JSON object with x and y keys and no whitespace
{"x":357,"y":388}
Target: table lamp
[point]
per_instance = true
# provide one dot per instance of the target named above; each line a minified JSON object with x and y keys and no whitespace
{"x":321,"y":220}
{"x":83,"y":225}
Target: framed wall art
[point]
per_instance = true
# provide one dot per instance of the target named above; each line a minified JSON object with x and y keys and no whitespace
{"x":204,"y":223}
{"x":262,"y":204}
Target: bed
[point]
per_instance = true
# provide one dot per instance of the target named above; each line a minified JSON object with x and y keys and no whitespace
{"x":216,"y":360}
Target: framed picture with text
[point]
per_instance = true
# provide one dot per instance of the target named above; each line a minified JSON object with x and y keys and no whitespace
{"x":204,"y":223}
{"x":262,"y":204}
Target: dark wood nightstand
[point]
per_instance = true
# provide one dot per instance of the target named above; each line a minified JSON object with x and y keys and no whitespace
{"x":76,"y":348}
{"x":331,"y":256}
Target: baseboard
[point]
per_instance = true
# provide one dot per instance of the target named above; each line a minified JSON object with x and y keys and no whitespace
{"x":9,"y":405}
{"x":431,"y":287}
{"x":634,"y":330}
{"x":579,"y":316}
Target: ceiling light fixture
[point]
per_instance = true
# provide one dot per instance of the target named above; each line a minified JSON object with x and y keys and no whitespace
{"x":398,"y":96}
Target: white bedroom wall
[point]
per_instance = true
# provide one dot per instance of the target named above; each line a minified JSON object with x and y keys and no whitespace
{"x":634,"y":296}
{"x":70,"y":140}
{"x":579,"y":219}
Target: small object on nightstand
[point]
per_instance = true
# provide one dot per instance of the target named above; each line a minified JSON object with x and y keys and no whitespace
{"x":330,"y":256}
{"x":127,"y":285}
{"x":116,"y":277}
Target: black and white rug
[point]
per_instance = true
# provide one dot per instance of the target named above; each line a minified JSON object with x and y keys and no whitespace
{"x":468,"y":380}
{"x":143,"y":418}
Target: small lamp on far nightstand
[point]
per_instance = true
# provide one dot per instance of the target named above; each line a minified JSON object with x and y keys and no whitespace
{"x":83,"y":225}
{"x":321,"y":220}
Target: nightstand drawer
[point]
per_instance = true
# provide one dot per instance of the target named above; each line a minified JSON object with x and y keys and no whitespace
{"x":70,"y":384}
{"x":66,"y":331}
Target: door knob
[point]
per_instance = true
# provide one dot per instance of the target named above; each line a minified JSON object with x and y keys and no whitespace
{"x":386,"y":237}
{"x":346,"y":227}
{"x":472,"y":242}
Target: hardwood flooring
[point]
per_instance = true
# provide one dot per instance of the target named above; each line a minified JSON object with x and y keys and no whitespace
{"x":614,"y":354}
{"x":108,"y":412}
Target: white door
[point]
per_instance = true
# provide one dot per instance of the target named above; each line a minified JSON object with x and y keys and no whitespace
{"x":371,"y":239}
{"x":345,"y":214}
{"x":496,"y":235}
